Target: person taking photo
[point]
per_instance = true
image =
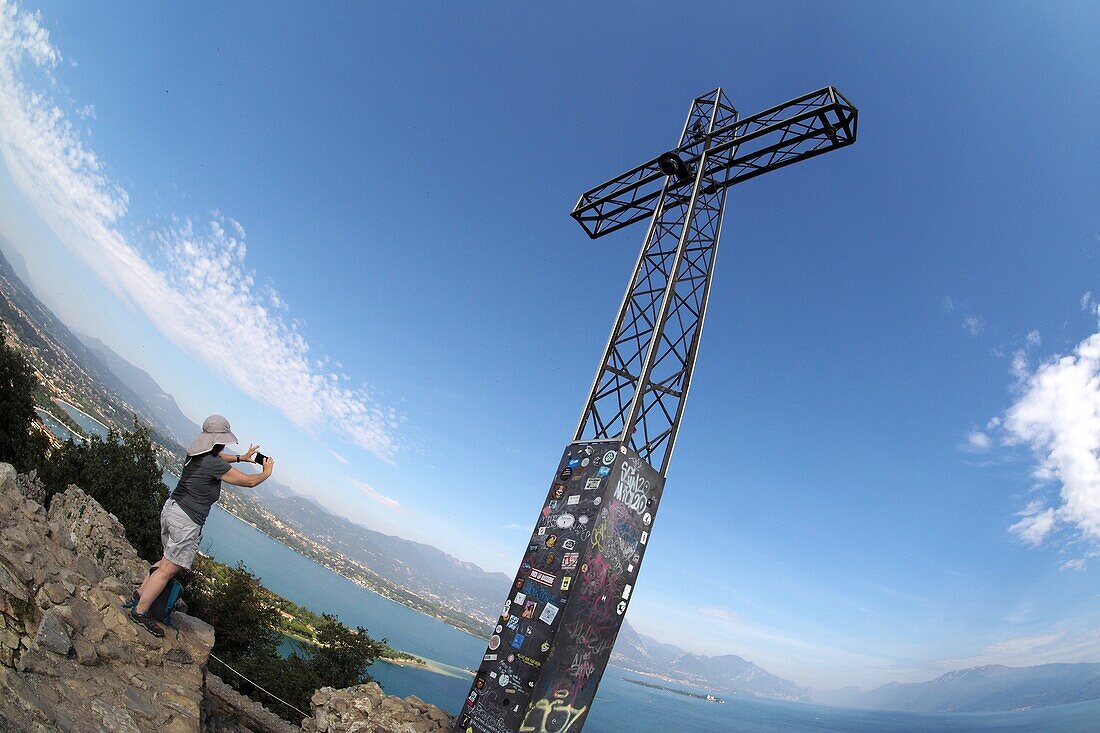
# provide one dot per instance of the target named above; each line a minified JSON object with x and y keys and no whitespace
{"x":185,"y":511}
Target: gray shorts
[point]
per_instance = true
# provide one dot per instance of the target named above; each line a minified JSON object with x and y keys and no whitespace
{"x":179,"y":534}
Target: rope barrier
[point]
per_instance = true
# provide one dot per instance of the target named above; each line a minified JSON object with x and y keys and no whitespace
{"x":284,"y":702}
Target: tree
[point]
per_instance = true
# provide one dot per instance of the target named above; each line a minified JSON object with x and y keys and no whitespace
{"x":248,"y":631}
{"x":18,"y":445}
{"x":232,"y":600}
{"x":121,"y":473}
{"x":342,"y":656}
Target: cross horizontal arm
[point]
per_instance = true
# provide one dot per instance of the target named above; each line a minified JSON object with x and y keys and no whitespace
{"x":802,"y":128}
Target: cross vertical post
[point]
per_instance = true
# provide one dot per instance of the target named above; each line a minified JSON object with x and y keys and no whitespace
{"x":559,"y":621}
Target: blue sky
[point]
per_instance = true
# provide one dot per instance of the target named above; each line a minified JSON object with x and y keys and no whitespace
{"x":347,"y":229}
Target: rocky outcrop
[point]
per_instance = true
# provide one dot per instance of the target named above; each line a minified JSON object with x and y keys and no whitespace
{"x":70,"y":659}
{"x":366,"y":709}
{"x":227,"y":711}
{"x":97,"y":535}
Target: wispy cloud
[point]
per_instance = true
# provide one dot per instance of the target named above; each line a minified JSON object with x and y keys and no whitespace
{"x":194,"y":278}
{"x":1037,"y":522}
{"x":721,"y":613}
{"x":338,"y":458}
{"x":375,"y":495}
{"x":973,"y":325}
{"x":978,"y":442}
{"x":1060,"y":646}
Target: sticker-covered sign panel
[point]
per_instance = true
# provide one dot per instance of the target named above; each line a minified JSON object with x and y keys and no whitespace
{"x":567,"y":602}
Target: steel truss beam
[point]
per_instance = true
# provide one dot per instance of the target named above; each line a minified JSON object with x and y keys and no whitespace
{"x":640,"y":389}
{"x":810,"y":125}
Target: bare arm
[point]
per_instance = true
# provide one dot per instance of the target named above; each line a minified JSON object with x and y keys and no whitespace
{"x":249,"y":480}
{"x":247,"y":456}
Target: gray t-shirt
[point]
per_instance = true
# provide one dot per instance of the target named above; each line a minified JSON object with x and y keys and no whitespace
{"x":200,"y":485}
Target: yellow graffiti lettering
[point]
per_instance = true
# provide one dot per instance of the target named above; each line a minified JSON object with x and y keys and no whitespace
{"x":599,"y":534}
{"x":551,"y":716}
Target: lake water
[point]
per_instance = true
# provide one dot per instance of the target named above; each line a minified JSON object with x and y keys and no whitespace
{"x":619,"y":706}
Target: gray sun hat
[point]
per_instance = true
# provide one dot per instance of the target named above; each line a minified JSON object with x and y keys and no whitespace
{"x":215,"y":431}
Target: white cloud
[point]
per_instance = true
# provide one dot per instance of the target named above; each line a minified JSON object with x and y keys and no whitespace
{"x":1020,"y":367}
{"x":1012,"y":648}
{"x":193,"y":283}
{"x":338,"y":458}
{"x":978,"y":441}
{"x":1034,"y":339}
{"x":721,"y":613}
{"x":1057,"y":415}
{"x":1059,"y":646}
{"x":1075,"y":564}
{"x":374,"y":495}
{"x":974,"y":325}
{"x":1034,"y":527}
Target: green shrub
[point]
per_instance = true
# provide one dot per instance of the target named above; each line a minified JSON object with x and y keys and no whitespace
{"x":248,"y":629}
{"x":122,"y":474}
{"x":19,"y":445}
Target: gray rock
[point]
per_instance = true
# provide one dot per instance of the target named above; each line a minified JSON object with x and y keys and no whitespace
{"x":366,"y":709}
{"x":11,"y":584}
{"x":29,"y":486}
{"x":85,"y":653}
{"x":227,"y":711}
{"x":98,"y":535}
{"x":113,"y":719}
{"x":179,"y":656}
{"x":139,"y":703}
{"x":53,"y":635}
{"x":7,"y":475}
{"x":86,"y":567}
{"x":35,"y":661}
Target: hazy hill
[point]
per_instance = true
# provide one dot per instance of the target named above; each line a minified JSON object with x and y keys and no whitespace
{"x":421,"y":568}
{"x":68,"y":365}
{"x":728,"y":673}
{"x":982,"y":689}
{"x":160,"y":403}
{"x":15,"y":260}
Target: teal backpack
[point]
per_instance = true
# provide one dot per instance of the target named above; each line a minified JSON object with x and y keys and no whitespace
{"x":162,"y":608}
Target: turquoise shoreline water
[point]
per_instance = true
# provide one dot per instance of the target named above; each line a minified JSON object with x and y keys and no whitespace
{"x":619,"y":707}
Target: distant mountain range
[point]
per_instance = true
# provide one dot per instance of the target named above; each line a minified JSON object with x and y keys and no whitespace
{"x":421,"y":568}
{"x":980,"y":689}
{"x":87,"y":372}
{"x":728,"y":673}
{"x":69,"y":369}
{"x":161,"y":406}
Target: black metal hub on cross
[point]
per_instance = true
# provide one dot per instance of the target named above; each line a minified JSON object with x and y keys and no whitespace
{"x":559,"y":622}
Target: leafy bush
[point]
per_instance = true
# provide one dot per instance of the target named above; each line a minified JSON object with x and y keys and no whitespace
{"x":248,"y":630}
{"x":122,"y":474}
{"x":19,"y":445}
